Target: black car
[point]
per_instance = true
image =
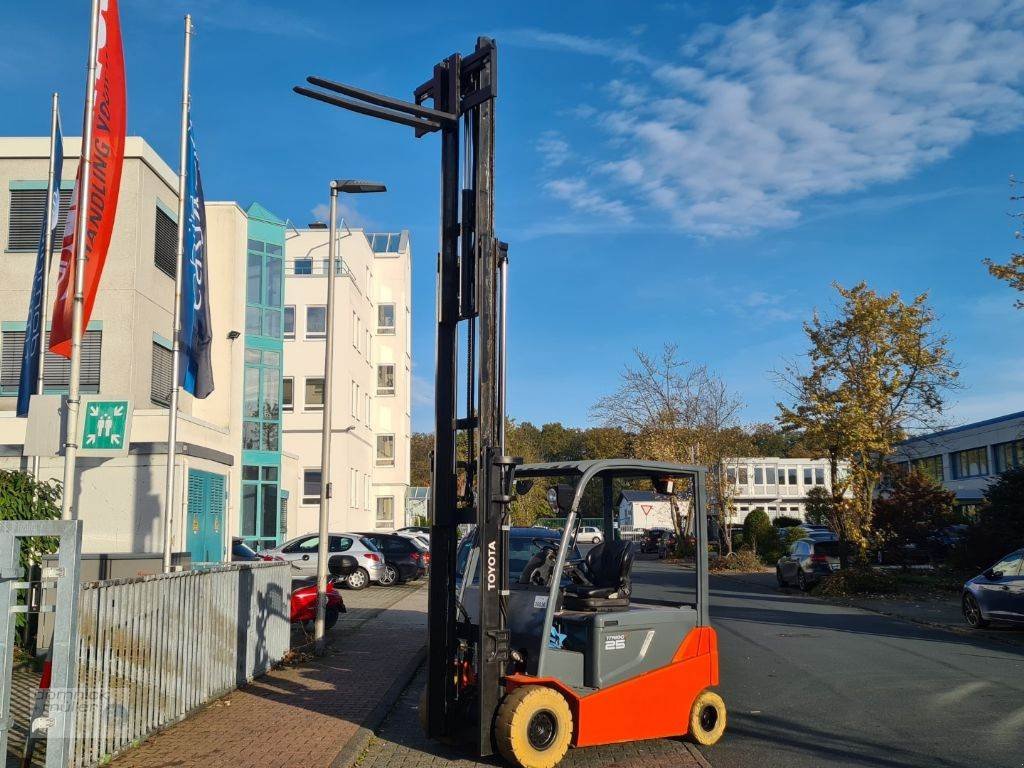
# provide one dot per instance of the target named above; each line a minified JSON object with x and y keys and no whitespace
{"x":808,"y":562}
{"x":658,"y":541}
{"x":405,"y":559}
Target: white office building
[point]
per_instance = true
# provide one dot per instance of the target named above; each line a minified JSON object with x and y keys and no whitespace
{"x":967,"y":459}
{"x":372,"y":375}
{"x":776,"y":485}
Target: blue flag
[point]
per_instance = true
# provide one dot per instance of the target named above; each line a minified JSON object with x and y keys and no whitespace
{"x":30,"y":358}
{"x":196,"y":335}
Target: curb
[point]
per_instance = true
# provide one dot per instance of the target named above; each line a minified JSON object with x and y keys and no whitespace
{"x":356,"y":745}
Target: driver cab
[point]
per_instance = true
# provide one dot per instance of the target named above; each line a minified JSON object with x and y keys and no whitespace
{"x":585,"y":627}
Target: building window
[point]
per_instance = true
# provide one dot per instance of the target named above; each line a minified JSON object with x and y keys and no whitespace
{"x":743,"y":476}
{"x":930,"y":466}
{"x":819,"y":475}
{"x":289,"y":322}
{"x":808,"y":476}
{"x":730,"y":475}
{"x":970,"y":463}
{"x":385,"y":450}
{"x":313,"y":397}
{"x":56,"y":369}
{"x":261,"y":505}
{"x":303,"y":266}
{"x":385,"y":512}
{"x":316,"y":322}
{"x":386,"y":319}
{"x":366,"y":492}
{"x":367,"y":339}
{"x":366,"y":410}
{"x":354,"y":399}
{"x":356,"y":328}
{"x":160,"y":383}
{"x":28,"y":208}
{"x":353,"y":487}
{"x":758,"y":475}
{"x":792,"y":475}
{"x":1009,"y":455}
{"x":312,"y":480}
{"x":288,"y":394}
{"x":769,"y":475}
{"x":165,"y":247}
{"x":386,"y":379}
{"x":261,"y":401}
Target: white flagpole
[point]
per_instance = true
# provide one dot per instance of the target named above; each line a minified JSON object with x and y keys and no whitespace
{"x":172,"y":422}
{"x":78,"y":308}
{"x":47,"y":250}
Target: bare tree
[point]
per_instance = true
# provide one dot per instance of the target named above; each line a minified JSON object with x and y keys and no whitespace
{"x":679,"y":413}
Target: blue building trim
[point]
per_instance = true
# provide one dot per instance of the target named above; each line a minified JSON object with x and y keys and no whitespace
{"x":964,"y":428}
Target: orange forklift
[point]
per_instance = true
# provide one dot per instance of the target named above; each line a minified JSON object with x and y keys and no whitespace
{"x":560,"y":654}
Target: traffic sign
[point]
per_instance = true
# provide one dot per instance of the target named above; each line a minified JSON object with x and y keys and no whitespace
{"x":106,"y":427}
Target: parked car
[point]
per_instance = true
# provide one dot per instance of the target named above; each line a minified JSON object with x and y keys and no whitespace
{"x":405,"y":559}
{"x":415,"y":529}
{"x":301,"y":552}
{"x":659,"y":541}
{"x":997,"y":594}
{"x":808,"y":562}
{"x":242,"y":552}
{"x":589,"y":533}
{"x":303,"y":599}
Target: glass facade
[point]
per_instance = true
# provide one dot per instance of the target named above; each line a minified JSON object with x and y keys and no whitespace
{"x":262,"y":523}
{"x":970,"y":463}
{"x":930,"y":466}
{"x":1009,"y":455}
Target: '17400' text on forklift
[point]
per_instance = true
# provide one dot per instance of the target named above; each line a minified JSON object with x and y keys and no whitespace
{"x":560,"y":654}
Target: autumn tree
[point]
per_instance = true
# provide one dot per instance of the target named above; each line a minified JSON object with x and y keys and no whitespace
{"x":877,"y":370}
{"x":1012,"y":271}
{"x":679,"y":413}
{"x":912,"y":507}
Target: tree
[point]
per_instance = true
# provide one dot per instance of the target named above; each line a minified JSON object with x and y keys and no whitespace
{"x":757,"y":528}
{"x":677,"y":413}
{"x":1000,"y":526}
{"x":877,"y":370}
{"x":1012,"y":271}
{"x":420,"y":446}
{"x":911,"y":509}
{"x":818,"y":507}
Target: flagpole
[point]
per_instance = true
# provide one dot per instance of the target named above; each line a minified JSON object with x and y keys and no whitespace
{"x":172,"y":422}
{"x":78,"y":307}
{"x":48,"y":249}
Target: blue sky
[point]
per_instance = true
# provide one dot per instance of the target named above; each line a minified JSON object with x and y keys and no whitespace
{"x":691,"y":172}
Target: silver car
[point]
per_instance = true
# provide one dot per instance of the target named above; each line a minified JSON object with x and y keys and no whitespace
{"x":301,"y":552}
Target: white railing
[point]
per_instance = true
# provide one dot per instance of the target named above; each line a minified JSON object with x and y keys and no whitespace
{"x":153,"y":649}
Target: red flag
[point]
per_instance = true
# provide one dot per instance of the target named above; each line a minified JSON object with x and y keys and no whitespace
{"x":106,"y":156}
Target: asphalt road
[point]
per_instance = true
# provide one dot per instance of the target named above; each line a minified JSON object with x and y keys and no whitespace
{"x":812,"y":684}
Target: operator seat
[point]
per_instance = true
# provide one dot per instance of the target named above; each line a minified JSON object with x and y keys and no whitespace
{"x":608,"y":568}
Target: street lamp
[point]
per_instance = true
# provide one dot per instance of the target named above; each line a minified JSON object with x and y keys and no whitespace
{"x":351,"y":187}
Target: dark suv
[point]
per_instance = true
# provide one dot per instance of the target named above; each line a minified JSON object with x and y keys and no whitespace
{"x":405,"y":559}
{"x":808,"y":562}
{"x":658,"y":541}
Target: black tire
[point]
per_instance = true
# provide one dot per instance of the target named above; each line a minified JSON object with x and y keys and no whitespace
{"x":801,"y":580}
{"x":360,"y":579}
{"x":330,"y":619}
{"x":972,"y":612}
{"x":778,"y":576}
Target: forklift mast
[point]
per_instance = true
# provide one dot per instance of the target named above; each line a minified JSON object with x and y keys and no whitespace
{"x":472,"y":476}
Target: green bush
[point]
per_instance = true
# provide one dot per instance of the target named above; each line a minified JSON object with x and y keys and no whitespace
{"x":784,"y":521}
{"x":757,"y":527}
{"x":860,"y":580}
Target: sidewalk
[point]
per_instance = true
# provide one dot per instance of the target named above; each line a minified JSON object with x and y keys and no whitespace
{"x":307,"y":713}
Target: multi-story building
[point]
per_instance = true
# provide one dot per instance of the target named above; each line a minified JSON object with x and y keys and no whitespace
{"x":778,"y":486}
{"x":966,"y":459}
{"x":371,"y":383}
{"x":230,"y":479}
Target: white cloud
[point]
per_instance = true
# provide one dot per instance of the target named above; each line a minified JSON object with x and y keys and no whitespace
{"x":582,"y":198}
{"x":553,"y":149}
{"x":752,"y":121}
{"x":347,"y":214}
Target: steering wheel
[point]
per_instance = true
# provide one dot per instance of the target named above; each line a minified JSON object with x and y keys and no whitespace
{"x":545,"y":545}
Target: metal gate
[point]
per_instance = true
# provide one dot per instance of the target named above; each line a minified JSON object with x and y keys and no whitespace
{"x":58,"y":724}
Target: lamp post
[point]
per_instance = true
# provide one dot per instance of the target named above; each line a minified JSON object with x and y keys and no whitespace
{"x":352,"y":187}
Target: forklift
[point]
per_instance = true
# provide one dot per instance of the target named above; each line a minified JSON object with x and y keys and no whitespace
{"x":561,"y":654}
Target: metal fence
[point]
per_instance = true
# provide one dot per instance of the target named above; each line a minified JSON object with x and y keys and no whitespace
{"x":154,"y":648}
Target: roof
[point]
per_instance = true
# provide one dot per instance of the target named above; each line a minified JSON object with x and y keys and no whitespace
{"x":632,"y":496}
{"x":257,"y":211}
{"x":965,"y":427}
{"x":621,"y":467}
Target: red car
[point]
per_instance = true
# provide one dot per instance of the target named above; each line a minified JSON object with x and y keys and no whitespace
{"x":303,"y":603}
